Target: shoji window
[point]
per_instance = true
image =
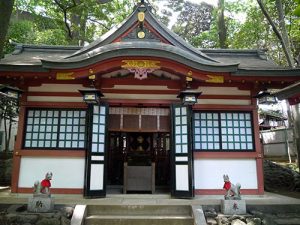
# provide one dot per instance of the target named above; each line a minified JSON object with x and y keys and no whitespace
{"x":223,"y":131}
{"x":52,"y":128}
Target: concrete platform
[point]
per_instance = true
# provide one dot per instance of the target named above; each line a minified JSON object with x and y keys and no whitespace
{"x":6,"y":197}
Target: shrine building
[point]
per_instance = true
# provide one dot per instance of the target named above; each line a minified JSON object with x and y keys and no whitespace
{"x":119,"y":113}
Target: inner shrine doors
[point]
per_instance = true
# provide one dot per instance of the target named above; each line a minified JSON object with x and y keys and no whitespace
{"x":139,"y":137}
{"x":139,"y":149}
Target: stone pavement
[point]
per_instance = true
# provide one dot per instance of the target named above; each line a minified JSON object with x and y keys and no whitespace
{"x":277,"y":209}
{"x":150,"y":199}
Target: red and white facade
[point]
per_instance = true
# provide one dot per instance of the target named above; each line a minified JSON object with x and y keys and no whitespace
{"x":140,"y":81}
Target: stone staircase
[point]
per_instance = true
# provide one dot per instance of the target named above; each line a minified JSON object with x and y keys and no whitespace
{"x":139,"y":215}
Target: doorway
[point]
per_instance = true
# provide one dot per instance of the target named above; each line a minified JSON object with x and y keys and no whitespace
{"x":139,"y":149}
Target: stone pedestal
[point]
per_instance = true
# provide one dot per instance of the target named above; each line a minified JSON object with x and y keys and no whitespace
{"x":231,"y":207}
{"x":40,"y":204}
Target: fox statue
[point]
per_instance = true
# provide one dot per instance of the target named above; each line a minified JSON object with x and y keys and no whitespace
{"x":232,"y":191}
{"x":43,"y":187}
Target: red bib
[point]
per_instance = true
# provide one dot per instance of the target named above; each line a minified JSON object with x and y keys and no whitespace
{"x":227,"y":185}
{"x":46,"y":183}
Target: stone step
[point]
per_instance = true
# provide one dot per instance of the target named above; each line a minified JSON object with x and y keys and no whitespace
{"x":139,"y":215}
{"x":138,"y":220}
{"x":157,"y":210}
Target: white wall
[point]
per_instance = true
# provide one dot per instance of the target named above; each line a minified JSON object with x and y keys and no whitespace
{"x":67,"y":172}
{"x":209,"y":173}
{"x":53,"y":99}
{"x":57,"y":88}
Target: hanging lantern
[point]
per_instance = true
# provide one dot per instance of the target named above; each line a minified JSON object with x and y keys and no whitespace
{"x":189,"y":96}
{"x":91,"y":96}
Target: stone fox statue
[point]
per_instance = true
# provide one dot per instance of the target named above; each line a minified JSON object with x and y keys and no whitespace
{"x":232,"y":191}
{"x":43,"y":187}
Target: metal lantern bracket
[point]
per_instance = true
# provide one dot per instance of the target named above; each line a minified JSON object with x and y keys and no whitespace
{"x":189,"y":96}
{"x":91,"y":96}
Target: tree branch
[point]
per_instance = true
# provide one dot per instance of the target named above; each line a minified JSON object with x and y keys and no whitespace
{"x":284,"y":33}
{"x":102,"y":24}
{"x":276,"y":31}
{"x":6,"y":8}
{"x":64,"y":10}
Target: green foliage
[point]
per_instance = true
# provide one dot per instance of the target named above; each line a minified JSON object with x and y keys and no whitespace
{"x":51,"y":37}
{"x":208,"y":38}
{"x":27,"y":32}
{"x":165,"y":18}
{"x":256,"y":32}
{"x":246,"y":27}
{"x":297,"y":9}
{"x":63,"y":22}
{"x":193,"y":20}
{"x":22,"y":31}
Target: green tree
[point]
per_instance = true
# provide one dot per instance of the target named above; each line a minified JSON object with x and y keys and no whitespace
{"x":218,"y":26}
{"x":6,"y":7}
{"x":222,"y":29}
{"x":280,"y":29}
{"x":192,"y":20}
{"x":297,"y":9}
{"x":256,"y":31}
{"x":77,"y":17}
{"x":20,"y":32}
{"x":63,"y":22}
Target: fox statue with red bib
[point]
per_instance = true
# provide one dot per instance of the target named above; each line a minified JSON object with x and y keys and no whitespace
{"x":232,"y":191}
{"x":43,"y":187}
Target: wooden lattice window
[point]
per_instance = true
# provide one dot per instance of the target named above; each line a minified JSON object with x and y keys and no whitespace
{"x":55,"y":128}
{"x":223,"y":131}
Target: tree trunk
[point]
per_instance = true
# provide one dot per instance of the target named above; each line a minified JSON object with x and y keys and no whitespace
{"x":83,"y":22}
{"x":78,"y":22}
{"x":277,"y":33}
{"x":222,"y":31}
{"x":6,"y":7}
{"x":75,"y":27}
{"x":284,"y":33}
{"x":6,"y":144}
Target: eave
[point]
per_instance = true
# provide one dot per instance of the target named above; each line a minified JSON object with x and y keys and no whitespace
{"x":288,"y":92}
{"x":266,"y":72}
{"x":139,"y":49}
{"x":23,"y":68}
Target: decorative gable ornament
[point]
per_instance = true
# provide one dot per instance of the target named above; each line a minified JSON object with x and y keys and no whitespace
{"x":141,"y":17}
{"x":141,"y":68}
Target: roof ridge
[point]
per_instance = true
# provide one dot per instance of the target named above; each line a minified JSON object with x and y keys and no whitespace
{"x":19,"y":47}
{"x":128,"y":23}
